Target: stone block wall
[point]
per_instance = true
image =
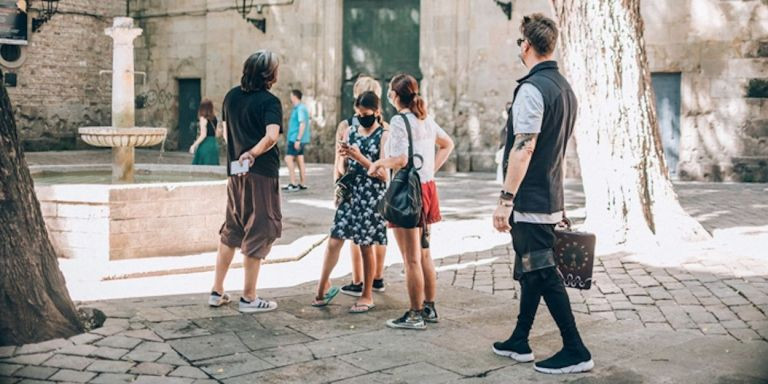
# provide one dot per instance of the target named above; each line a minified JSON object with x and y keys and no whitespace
{"x":719,"y":47}
{"x":468,"y":59}
{"x":209,"y":40}
{"x":59,"y":88}
{"x":113,"y":222}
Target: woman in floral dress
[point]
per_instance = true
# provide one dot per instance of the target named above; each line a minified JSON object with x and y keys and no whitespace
{"x":357,"y":218}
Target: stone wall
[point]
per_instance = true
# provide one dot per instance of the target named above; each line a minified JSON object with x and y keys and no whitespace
{"x":209,"y":40}
{"x":470,"y":64}
{"x":468,"y":58}
{"x":718,"y":47}
{"x":59,"y":88}
{"x":106,"y":222}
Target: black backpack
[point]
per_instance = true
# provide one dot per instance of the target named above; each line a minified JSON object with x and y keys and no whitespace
{"x":402,"y":204}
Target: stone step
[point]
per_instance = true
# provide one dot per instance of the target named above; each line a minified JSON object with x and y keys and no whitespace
{"x":174,"y":265}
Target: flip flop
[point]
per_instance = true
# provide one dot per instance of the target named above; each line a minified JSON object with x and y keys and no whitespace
{"x":367,"y":307}
{"x":327,"y":298}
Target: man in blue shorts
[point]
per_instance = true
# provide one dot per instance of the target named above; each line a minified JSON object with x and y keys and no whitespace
{"x":297,"y":138}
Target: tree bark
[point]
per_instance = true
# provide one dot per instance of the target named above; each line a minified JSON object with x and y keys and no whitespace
{"x":629,"y":196}
{"x":34,"y":302}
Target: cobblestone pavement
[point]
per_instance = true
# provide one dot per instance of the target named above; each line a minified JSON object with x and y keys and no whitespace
{"x":700,"y":321}
{"x":706,"y":294}
{"x":181,"y":340}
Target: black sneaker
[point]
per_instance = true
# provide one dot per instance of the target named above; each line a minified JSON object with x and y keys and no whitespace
{"x":410,"y":320}
{"x":302,"y":187}
{"x":291,"y":188}
{"x":430,"y":313}
{"x":378,"y":285}
{"x":517,"y":350}
{"x":568,"y":360}
{"x":353,"y":289}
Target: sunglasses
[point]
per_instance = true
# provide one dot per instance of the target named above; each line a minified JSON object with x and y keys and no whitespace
{"x":520,"y":41}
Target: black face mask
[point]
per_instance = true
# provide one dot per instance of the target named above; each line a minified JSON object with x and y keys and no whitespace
{"x":367,"y":121}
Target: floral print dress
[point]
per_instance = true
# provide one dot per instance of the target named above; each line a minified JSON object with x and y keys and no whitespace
{"x":357,"y":218}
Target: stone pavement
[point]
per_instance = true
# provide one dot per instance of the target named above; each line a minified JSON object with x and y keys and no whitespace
{"x":700,"y":317}
{"x":707,"y":293}
{"x":181,"y":340}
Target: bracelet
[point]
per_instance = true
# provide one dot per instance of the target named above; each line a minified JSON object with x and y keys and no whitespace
{"x":506,"y":196}
{"x":506,"y":205}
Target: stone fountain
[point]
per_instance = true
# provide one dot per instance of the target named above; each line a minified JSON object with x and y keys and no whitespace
{"x":167,"y":210}
{"x":123,"y":136}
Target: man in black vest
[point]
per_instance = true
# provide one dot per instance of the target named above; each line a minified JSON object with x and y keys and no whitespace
{"x":540,"y":123}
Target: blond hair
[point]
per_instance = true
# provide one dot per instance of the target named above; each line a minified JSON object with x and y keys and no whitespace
{"x":366,"y":84}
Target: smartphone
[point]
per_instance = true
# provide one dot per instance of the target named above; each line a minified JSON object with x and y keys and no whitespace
{"x":236,"y":169}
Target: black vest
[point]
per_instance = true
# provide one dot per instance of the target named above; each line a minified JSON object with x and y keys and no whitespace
{"x":541,"y":190}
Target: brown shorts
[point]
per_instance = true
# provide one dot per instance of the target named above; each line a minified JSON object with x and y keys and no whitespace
{"x":253,"y":218}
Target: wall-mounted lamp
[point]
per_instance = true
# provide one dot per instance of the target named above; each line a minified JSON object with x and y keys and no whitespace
{"x":506,"y":7}
{"x":260,"y":24}
{"x":45,"y":13}
{"x":244,"y":8}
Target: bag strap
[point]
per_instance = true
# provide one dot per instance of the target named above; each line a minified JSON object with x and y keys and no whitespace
{"x":410,"y":138}
{"x":410,"y":142}
{"x":566,"y":221}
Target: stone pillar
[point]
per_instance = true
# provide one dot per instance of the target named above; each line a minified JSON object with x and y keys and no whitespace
{"x":123,"y":97}
{"x":122,"y":164}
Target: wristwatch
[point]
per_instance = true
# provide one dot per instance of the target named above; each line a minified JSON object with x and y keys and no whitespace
{"x":506,"y":196}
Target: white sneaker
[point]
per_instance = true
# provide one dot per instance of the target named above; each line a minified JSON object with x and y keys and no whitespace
{"x":258,"y":305}
{"x":216,"y":300}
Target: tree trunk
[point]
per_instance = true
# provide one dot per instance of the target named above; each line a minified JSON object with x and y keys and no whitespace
{"x":34,"y":302}
{"x":629,"y":197}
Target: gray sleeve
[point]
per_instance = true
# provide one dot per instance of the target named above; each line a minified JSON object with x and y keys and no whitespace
{"x":528,"y":110}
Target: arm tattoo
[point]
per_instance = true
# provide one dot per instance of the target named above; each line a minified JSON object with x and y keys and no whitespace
{"x":525,"y":141}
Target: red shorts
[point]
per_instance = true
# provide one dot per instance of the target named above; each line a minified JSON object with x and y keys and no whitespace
{"x":430,"y":210}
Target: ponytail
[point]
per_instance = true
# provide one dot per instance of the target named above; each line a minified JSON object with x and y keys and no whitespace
{"x":407,"y":89}
{"x":419,"y":107}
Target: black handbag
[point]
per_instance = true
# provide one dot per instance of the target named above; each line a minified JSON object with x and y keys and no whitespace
{"x":574,"y":255}
{"x":344,"y":187}
{"x":401,"y":204}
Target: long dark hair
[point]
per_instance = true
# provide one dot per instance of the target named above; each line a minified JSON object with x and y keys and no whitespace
{"x":206,"y":110}
{"x":259,"y":71}
{"x":407,"y":89}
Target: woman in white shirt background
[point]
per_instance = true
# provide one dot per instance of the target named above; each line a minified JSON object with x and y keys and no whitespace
{"x":421,"y":278}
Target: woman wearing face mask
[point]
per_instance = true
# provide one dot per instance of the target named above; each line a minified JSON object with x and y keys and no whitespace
{"x":420,"y":275}
{"x":355,"y":287}
{"x":356,"y":216}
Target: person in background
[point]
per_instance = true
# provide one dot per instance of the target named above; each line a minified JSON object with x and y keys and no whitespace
{"x":252,"y":118}
{"x":420,"y":275}
{"x":357,"y":217}
{"x":355,"y":288}
{"x":205,"y":148}
{"x":298,"y":137}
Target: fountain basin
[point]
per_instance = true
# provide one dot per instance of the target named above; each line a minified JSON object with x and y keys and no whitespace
{"x":96,"y":221}
{"x":123,"y":137}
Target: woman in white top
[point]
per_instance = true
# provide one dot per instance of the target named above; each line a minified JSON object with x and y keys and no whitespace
{"x":420,"y":273}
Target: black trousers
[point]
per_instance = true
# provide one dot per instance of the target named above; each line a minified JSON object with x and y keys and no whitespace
{"x":544,"y":283}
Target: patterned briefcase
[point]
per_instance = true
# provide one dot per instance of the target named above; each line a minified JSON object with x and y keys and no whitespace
{"x":574,"y":255}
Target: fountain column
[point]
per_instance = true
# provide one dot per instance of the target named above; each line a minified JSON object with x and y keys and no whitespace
{"x":123,"y":97}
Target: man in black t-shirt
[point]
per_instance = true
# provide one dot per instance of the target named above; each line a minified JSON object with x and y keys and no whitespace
{"x":253,"y":119}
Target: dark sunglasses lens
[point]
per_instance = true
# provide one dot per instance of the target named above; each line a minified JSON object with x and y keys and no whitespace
{"x":520,"y":42}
